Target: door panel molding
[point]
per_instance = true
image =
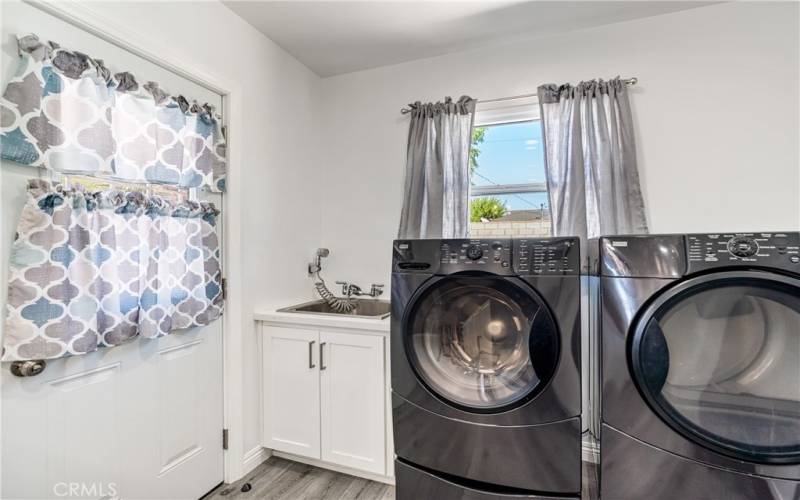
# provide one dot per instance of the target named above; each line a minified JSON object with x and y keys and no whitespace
{"x":81,"y":379}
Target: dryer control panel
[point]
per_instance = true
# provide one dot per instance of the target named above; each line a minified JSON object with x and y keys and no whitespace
{"x":486,"y":255}
{"x":777,"y":250}
{"x":547,"y":256}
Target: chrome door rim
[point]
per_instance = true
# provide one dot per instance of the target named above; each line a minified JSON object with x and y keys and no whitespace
{"x":673,"y":418}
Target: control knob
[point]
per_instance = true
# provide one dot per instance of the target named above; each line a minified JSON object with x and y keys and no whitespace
{"x":474,"y":252}
{"x":742,"y":246}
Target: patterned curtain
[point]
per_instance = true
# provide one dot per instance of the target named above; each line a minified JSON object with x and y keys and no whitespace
{"x":66,"y":112}
{"x":97,"y":269}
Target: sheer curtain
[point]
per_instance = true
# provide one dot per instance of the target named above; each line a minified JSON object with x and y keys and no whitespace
{"x":436,"y":203}
{"x":590,"y":159}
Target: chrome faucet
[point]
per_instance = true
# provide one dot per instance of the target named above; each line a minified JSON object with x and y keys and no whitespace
{"x":351,"y":289}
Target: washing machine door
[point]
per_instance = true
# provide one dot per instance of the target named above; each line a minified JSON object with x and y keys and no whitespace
{"x":482,"y":344}
{"x":718,"y":358}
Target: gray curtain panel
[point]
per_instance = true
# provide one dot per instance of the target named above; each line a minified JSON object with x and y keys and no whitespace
{"x":590,"y":159}
{"x":436,"y":203}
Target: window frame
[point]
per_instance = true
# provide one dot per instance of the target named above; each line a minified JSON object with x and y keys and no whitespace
{"x":505,"y":111}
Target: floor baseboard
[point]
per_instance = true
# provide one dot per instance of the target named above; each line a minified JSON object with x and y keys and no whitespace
{"x":590,"y":449}
{"x":254,"y":458}
{"x":337,"y":468}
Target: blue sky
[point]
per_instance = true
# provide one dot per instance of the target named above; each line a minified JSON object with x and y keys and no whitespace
{"x":512,"y":154}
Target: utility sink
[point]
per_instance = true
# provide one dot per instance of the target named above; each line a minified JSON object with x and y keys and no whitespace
{"x":365,"y":308}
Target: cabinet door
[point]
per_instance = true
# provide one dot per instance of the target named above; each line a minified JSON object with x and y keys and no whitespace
{"x":291,"y":390}
{"x":353,"y":405}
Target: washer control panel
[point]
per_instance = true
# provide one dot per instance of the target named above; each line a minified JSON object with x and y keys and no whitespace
{"x":547,"y":256}
{"x":780,"y":250}
{"x":476,"y":254}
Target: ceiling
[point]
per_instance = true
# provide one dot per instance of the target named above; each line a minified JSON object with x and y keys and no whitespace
{"x":335,"y":37}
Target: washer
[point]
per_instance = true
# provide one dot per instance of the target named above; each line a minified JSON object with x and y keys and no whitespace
{"x":486,"y":395}
{"x":700,"y":364}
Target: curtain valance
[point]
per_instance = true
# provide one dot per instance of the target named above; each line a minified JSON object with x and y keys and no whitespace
{"x":96,"y":269}
{"x":66,"y":112}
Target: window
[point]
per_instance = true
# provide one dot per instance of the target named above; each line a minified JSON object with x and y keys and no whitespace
{"x":174,"y":194}
{"x":508,"y":191}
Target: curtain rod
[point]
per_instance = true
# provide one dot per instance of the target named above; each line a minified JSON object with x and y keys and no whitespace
{"x":628,"y":81}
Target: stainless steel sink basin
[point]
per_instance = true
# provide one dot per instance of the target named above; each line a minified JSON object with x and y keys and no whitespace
{"x":365,"y":308}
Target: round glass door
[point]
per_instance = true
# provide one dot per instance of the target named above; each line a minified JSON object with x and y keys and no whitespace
{"x":482,"y":344}
{"x":718,"y":358}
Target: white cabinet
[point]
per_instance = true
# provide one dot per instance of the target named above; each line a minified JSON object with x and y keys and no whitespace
{"x":325,"y":396}
{"x":352,"y":395}
{"x":291,"y":383}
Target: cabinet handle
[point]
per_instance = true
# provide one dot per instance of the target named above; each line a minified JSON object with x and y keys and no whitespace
{"x":321,"y":363}
{"x":311,"y":354}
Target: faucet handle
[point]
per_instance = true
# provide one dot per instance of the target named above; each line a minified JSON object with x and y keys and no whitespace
{"x":376,"y":289}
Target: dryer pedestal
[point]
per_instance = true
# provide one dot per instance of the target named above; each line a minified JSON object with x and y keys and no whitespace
{"x":542,"y":457}
{"x":633,"y":470}
{"x":419,"y":484}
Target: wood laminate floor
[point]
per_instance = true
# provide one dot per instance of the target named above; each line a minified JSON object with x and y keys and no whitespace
{"x":279,"y":479}
{"x":589,"y":481}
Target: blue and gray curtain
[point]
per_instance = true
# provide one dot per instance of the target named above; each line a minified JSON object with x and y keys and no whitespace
{"x":97,"y":269}
{"x":66,"y":112}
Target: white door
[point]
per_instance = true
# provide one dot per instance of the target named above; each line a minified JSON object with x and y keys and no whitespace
{"x":353,"y":404}
{"x":143,"y":420}
{"x":291,"y":390}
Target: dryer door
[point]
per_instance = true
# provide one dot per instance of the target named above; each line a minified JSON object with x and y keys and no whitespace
{"x":481,"y":343}
{"x":718,"y":358}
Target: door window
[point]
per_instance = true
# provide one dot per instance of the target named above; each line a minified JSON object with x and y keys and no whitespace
{"x":482,"y":343}
{"x":720,"y":361}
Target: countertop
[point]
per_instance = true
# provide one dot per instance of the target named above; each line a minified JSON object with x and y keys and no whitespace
{"x":323,"y":320}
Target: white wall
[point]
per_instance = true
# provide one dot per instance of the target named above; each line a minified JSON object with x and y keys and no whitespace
{"x":279,"y":215}
{"x":716,"y":116}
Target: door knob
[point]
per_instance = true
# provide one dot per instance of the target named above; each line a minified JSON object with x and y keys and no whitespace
{"x":28,"y":368}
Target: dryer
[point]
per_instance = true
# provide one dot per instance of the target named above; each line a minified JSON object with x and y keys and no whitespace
{"x":485,"y":352}
{"x":700,"y":363}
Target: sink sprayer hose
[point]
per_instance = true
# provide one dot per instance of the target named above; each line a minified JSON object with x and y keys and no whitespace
{"x":338,"y":304}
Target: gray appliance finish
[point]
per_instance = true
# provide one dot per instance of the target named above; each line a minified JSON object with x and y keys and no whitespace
{"x":485,"y":352}
{"x":700,"y":366}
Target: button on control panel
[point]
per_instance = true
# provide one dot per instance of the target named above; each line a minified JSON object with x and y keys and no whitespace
{"x":484,"y":255}
{"x":742,"y":246}
{"x":780,"y":250}
{"x":546,"y":256}
{"x":474,"y":252}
